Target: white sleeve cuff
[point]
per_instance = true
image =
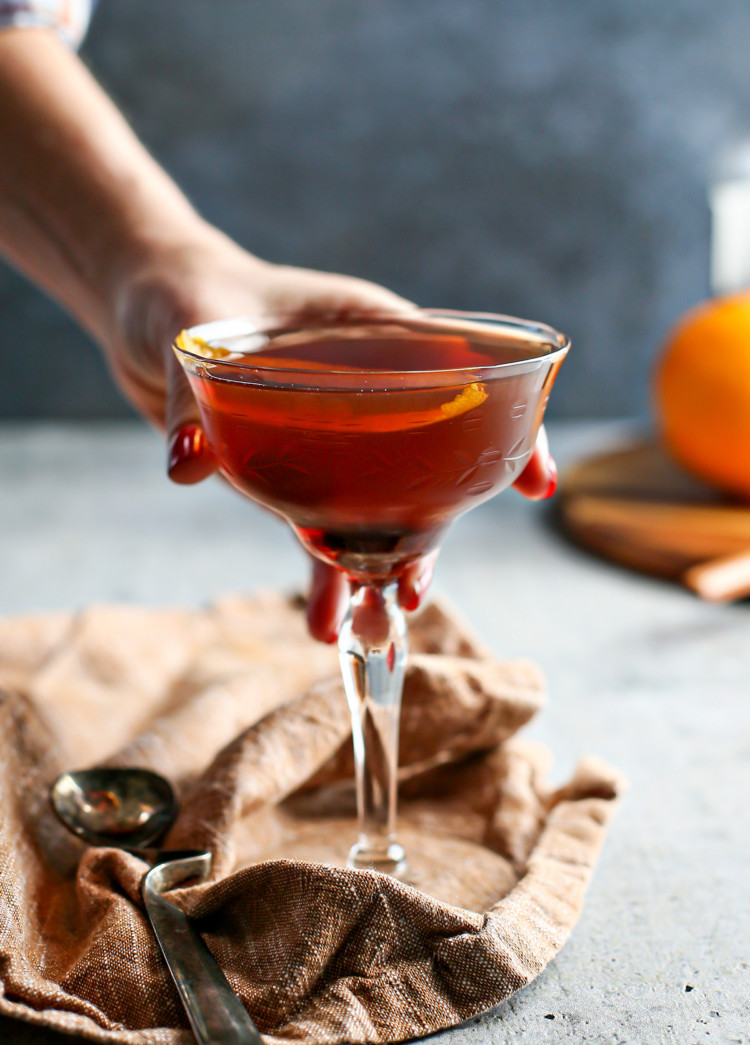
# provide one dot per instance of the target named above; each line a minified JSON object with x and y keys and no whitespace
{"x":68,"y":18}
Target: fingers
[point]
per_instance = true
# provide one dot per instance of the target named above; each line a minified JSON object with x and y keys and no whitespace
{"x":329,"y":595}
{"x":360,"y":296}
{"x":415,"y":580}
{"x":189,"y":459}
{"x":310,"y":296}
{"x":327,"y":602}
{"x":538,"y":480}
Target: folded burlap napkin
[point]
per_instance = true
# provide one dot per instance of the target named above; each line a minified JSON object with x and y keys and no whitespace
{"x":244,"y":713}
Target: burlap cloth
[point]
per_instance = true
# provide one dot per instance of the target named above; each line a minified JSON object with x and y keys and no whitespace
{"x":245,"y":714}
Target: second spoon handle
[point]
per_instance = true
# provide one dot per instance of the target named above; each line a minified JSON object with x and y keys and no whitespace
{"x":216,"y":1014}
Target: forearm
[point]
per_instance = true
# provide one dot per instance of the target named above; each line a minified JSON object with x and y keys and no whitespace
{"x":81,"y":200}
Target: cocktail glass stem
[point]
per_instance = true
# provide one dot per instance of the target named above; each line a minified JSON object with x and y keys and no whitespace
{"x":372,"y":652}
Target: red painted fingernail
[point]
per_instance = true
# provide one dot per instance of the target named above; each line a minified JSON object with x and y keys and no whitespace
{"x":188,"y":459}
{"x":552,"y":485}
{"x":321,"y":631}
{"x":418,"y":588}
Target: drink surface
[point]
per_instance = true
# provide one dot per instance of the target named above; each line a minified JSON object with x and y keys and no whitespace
{"x":353,"y":438}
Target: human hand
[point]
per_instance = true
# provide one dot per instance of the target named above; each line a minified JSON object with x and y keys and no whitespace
{"x":89,"y":216}
{"x":210,"y":277}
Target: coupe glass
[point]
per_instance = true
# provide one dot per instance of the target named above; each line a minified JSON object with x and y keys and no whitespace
{"x":370,"y":437}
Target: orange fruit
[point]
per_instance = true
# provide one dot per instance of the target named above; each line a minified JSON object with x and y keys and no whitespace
{"x":702,"y":392}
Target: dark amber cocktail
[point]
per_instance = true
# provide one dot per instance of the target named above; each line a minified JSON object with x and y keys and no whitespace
{"x":346,"y":432}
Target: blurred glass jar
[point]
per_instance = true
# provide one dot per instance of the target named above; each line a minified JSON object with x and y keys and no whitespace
{"x":729,"y":198}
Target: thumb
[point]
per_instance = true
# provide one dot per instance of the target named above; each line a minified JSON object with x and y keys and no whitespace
{"x":189,"y":458}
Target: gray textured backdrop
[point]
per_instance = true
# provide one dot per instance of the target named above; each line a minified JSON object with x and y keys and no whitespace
{"x":546,"y":159}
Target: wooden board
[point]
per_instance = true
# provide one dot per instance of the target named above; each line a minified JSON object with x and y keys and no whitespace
{"x":636,"y":507}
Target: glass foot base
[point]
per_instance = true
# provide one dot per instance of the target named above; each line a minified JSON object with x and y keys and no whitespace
{"x":390,"y":861}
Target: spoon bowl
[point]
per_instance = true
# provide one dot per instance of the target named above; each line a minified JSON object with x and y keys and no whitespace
{"x":125,"y":808}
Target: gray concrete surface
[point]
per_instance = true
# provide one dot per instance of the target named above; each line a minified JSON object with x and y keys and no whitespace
{"x":541,"y":158}
{"x":639,"y":672}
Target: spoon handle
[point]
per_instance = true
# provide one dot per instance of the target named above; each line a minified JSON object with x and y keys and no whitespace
{"x":215,"y":1012}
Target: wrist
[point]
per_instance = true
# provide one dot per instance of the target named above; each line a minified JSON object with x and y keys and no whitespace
{"x":150,"y":245}
{"x":167,"y":279}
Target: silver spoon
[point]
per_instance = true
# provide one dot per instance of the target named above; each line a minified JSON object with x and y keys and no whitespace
{"x":128,"y":809}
